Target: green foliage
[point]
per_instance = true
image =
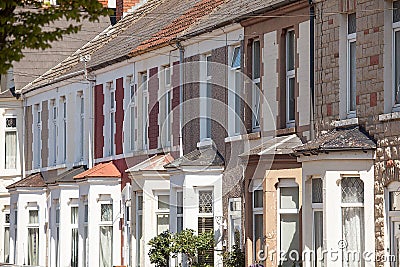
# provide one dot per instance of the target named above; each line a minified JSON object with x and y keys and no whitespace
{"x":186,"y":242}
{"x":25,"y":24}
{"x":235,"y":257}
{"x":160,"y":249}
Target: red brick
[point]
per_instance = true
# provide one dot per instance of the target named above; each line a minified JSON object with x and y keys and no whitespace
{"x":372,"y":99}
{"x":357,"y":99}
{"x":366,"y":31}
{"x":329,"y":109}
{"x":330,"y":22}
{"x":374,"y":60}
{"x":98,"y":121}
{"x":119,"y":115}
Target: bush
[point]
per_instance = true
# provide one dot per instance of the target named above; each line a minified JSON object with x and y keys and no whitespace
{"x":160,"y":249}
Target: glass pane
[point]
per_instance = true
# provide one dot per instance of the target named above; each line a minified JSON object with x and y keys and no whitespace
{"x":85,"y":245}
{"x":289,"y":198}
{"x":351,"y":23}
{"x":205,"y":202}
{"x":208,"y":115}
{"x":7,"y":244}
{"x":74,"y":247}
{"x":394,"y":199}
{"x":163,"y":202}
{"x":353,"y":235}
{"x":290,"y":50}
{"x":236,"y":205}
{"x":256,"y":105}
{"x":289,"y":237}
{"x":352,"y":190}
{"x":33,"y":246}
{"x":238,"y":90}
{"x":396,"y":11}
{"x":33,"y":216}
{"x":167,"y":76}
{"x":317,"y":190}
{"x":179,"y":224}
{"x":179,"y":197}
{"x":11,"y":150}
{"x":397,"y":66}
{"x":236,"y":58}
{"x":318,"y":238}
{"x":352,"y":74}
{"x":258,"y":199}
{"x":206,"y":225}
{"x":291,"y":100}
{"x":82,"y":105}
{"x":258,"y":231}
{"x":162,"y":223}
{"x":86,"y":213}
{"x":256,"y":60}
{"x":140,"y":203}
{"x":106,"y":237}
{"x":11,"y":122}
{"x":7,"y":218}
{"x":208,"y":71}
{"x":112,"y":99}
{"x":74,"y":215}
{"x":235,"y":230}
{"x":106,"y":212}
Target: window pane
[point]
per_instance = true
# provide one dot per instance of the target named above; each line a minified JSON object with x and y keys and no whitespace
{"x":352,"y":74}
{"x":394,"y":198}
{"x":162,"y":223}
{"x":167,"y":76}
{"x":353,"y":234}
{"x":74,"y":247}
{"x":352,"y":190}
{"x":317,"y":196}
{"x":235,"y":230}
{"x":206,"y":225}
{"x":33,"y":246}
{"x":205,"y":202}
{"x":351,"y":23}
{"x":140,"y":203}
{"x":7,"y":218}
{"x":11,"y":122}
{"x":256,"y":105}
{"x":106,"y":246}
{"x":289,"y":198}
{"x":86,"y":212}
{"x":208,"y":66}
{"x":7,"y":244}
{"x":318,"y":238}
{"x":11,"y":149}
{"x":396,"y":11}
{"x":258,"y":199}
{"x":179,"y":224}
{"x":163,"y":202}
{"x":289,"y":236}
{"x":258,"y":231}
{"x":179,"y":196}
{"x":238,"y":90}
{"x":236,"y":58}
{"x":106,"y":212}
{"x":236,"y":205}
{"x":132,"y":133}
{"x":291,"y":100}
{"x":74,"y":215}
{"x":33,"y":216}
{"x":290,"y":50}
{"x":397,"y":66}
{"x":256,"y":59}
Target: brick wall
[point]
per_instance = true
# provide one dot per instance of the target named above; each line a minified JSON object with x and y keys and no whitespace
{"x":119,"y":115}
{"x":175,"y":103}
{"x":45,"y":134}
{"x":98,"y":121}
{"x":28,"y":138}
{"x":154,"y":106}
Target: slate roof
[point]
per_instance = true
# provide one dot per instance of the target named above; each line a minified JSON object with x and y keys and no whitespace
{"x":339,"y":139}
{"x":155,"y":163}
{"x":100,"y":170}
{"x":280,"y":145}
{"x":34,"y":180}
{"x":67,"y":176}
{"x":207,"y":156}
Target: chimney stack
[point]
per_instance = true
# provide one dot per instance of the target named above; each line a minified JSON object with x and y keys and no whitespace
{"x":123,"y":6}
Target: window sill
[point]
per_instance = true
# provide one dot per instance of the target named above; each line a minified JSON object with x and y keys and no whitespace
{"x":345,"y":122}
{"x":390,"y":116}
{"x":285,"y":131}
{"x":250,"y":136}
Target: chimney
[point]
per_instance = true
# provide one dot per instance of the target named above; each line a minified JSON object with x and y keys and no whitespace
{"x":123,"y":6}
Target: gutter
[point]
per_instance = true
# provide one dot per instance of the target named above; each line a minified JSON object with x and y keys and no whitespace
{"x":312,"y":53}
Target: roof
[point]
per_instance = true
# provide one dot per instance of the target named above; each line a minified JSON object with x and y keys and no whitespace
{"x":67,"y":176}
{"x":207,"y":156}
{"x":34,"y":180}
{"x":155,"y":163}
{"x":280,"y":145}
{"x":100,"y":170}
{"x":339,"y":139}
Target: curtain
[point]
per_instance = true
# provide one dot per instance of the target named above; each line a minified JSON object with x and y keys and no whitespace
{"x":74,"y":248}
{"x":11,"y":150}
{"x":318,"y":239}
{"x":289,"y":233}
{"x":7,"y":244}
{"x":353,"y":235}
{"x":33,"y":243}
{"x":106,"y":246}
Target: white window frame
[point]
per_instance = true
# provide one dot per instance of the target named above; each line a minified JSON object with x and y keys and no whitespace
{"x":34,"y":226}
{"x":57,"y":216}
{"x":350,"y":39}
{"x":395,"y":28}
{"x":234,"y":214}
{"x":54,"y":131}
{"x":256,"y":94}
{"x":5,"y":226}
{"x":392,"y":216}
{"x":145,"y":108}
{"x":179,"y":214}
{"x":290,"y":74}
{"x":85,"y":235}
{"x":131,"y":96}
{"x":63,"y":104}
{"x":205,"y":98}
{"x":13,"y":130}
{"x":235,"y":92}
{"x":203,"y":214}
{"x":257,"y":211}
{"x":110,"y":90}
{"x":37,"y":157}
{"x":162,"y":212}
{"x":107,"y":224}
{"x":74,"y":226}
{"x":166,"y":126}
{"x":81,"y":99}
{"x":139,"y":220}
{"x":316,"y":207}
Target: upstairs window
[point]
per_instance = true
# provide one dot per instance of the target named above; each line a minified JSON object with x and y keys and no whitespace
{"x":396,"y":52}
{"x":256,"y":74}
{"x":54,"y":129}
{"x":351,"y":65}
{"x":206,"y":97}
{"x":235,"y":92}
{"x":111,"y":110}
{"x":11,"y":143}
{"x":166,"y":125}
{"x":81,"y":100}
{"x":145,"y":108}
{"x":290,"y":79}
{"x":37,"y":136}
{"x":131,"y":110}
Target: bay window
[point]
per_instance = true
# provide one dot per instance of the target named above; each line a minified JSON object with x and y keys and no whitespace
{"x":234,"y":92}
{"x":205,"y":98}
{"x":206,"y":222}
{"x":111,"y":120}
{"x":317,"y":208}
{"x":179,"y":211}
{"x":235,"y":222}
{"x":106,"y":235}
{"x":396,"y":51}
{"x":74,"y":237}
{"x":290,"y":78}
{"x":351,"y":64}
{"x":162,"y":213}
{"x":132,"y":113}
{"x":258,"y":222}
{"x":256,"y":75}
{"x":11,"y":143}
{"x":352,"y":221}
{"x":33,"y":238}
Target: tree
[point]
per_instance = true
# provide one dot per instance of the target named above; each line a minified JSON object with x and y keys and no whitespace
{"x":235,"y":257}
{"x":160,"y":249}
{"x":24,"y":24}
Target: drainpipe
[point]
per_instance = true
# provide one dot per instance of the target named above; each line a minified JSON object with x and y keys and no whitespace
{"x":312,"y":97}
{"x":181,"y":57}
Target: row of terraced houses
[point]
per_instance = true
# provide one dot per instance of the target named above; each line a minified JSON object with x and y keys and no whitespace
{"x":273,"y":123}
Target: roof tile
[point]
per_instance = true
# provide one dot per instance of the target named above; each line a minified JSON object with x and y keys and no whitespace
{"x":100,"y":170}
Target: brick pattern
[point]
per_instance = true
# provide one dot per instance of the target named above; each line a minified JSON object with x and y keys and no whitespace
{"x":98,"y":121}
{"x":45,"y":133}
{"x":119,"y":115}
{"x":28,"y":138}
{"x":175,"y":103}
{"x":123,"y":6}
{"x":154,"y":109}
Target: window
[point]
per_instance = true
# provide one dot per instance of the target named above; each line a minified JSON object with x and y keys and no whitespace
{"x":38,"y":136}
{"x":139,"y":228}
{"x":162,"y":213}
{"x":235,"y":222}
{"x":64,"y":128}
{"x":57,"y":236}
{"x":351,"y":64}
{"x":145,"y":108}
{"x":15,"y":231}
{"x":54,"y":131}
{"x":235,"y":90}
{"x":288,"y":213}
{"x":106,"y":235}
{"x":85,"y":234}
{"x":256,"y":74}
{"x":290,"y":78}
{"x":396,"y":51}
{"x":258,"y":222}
{"x":7,"y":237}
{"x":352,"y":220}
{"x":317,"y":208}
{"x":205,"y":202}
{"x":111,"y":109}
{"x":74,"y":237}
{"x":132,"y":113}
{"x":206,"y":222}
{"x":33,"y":238}
{"x":166,"y":125}
{"x":81,"y":125}
{"x":206,"y":98}
{"x":179,"y":211}
{"x":11,"y":143}
{"x":393,"y":211}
